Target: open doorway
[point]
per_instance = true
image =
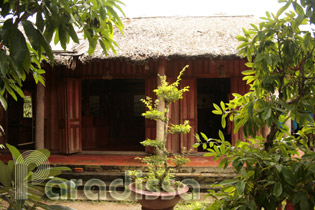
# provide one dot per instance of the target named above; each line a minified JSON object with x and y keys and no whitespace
{"x":211,"y":91}
{"x":21,"y":119}
{"x":111,"y":115}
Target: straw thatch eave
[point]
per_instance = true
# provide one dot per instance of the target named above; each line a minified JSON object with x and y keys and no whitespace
{"x":170,"y":37}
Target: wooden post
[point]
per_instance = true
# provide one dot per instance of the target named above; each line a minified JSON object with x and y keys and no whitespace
{"x":40,"y":115}
{"x":161,"y":106}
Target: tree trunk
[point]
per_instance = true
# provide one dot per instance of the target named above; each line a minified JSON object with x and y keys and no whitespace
{"x":271,"y":137}
{"x":161,"y":106}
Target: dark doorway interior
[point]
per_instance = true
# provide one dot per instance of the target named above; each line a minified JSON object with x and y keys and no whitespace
{"x":111,"y":115}
{"x":211,"y":91}
{"x":21,"y":118}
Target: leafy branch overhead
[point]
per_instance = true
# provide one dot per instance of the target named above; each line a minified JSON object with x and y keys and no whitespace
{"x":281,"y":75}
{"x":24,"y":45}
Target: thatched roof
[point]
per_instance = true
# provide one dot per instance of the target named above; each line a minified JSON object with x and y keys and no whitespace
{"x":156,"y":37}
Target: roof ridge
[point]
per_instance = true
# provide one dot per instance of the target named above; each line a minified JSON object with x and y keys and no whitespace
{"x":190,"y":17}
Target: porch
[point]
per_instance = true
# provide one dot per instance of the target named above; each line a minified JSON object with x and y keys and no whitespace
{"x":110,"y":166}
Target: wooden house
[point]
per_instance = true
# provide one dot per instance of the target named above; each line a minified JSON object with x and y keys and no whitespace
{"x":92,"y":103}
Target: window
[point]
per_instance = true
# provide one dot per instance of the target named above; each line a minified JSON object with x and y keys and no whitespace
{"x":27,"y":107}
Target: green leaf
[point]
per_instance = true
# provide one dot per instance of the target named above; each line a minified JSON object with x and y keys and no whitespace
{"x":18,"y":48}
{"x":223,"y":122}
{"x":113,"y":13}
{"x":204,"y":136}
{"x":32,"y":34}
{"x":240,"y":187}
{"x":222,"y":104}
{"x":282,"y":9}
{"x":216,"y":112}
{"x":48,"y":34}
{"x":40,"y":21}
{"x":228,"y":182}
{"x":241,"y":38}
{"x":297,"y":7}
{"x":237,"y":164}
{"x":66,"y":5}
{"x":218,"y":109}
{"x":5,"y":174}
{"x":14,"y":152}
{"x":103,"y":13}
{"x":73,"y":34}
{"x":223,"y":163}
{"x":92,"y":45}
{"x":248,"y":72}
{"x":221,"y":135}
{"x":101,"y":42}
{"x":249,"y":79}
{"x":216,"y":149}
{"x":3,"y":102}
{"x":277,"y":189}
{"x":62,"y":34}
{"x":27,"y":62}
{"x":267,"y":114}
{"x":210,"y":154}
{"x":18,"y":90}
{"x":312,"y":168}
{"x":288,"y":176}
{"x":44,"y":43}
{"x":223,"y":149}
{"x":7,"y":31}
{"x":40,"y":155}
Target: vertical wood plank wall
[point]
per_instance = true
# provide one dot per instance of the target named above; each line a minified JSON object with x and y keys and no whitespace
{"x":55,"y":116}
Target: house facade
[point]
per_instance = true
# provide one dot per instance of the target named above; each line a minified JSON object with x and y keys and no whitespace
{"x":92,"y":102}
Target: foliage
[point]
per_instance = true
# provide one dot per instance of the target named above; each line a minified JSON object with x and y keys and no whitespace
{"x":9,"y":182}
{"x":188,"y":205}
{"x":281,"y":58}
{"x":24,"y":44}
{"x":161,"y":165}
{"x":280,"y":53}
{"x":266,"y":178}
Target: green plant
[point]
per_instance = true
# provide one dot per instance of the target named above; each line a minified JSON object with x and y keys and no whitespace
{"x":161,"y":165}
{"x":280,"y":53}
{"x":22,"y":51}
{"x":185,"y":205}
{"x":266,"y":178}
{"x":20,"y":186}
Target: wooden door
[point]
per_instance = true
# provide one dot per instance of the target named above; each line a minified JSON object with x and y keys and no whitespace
{"x":70,"y":138}
{"x":188,"y":111}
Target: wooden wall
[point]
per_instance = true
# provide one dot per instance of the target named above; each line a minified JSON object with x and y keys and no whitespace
{"x":56,"y":95}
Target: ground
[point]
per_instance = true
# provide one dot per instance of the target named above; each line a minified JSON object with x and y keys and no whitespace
{"x":88,"y":205}
{"x":85,"y":205}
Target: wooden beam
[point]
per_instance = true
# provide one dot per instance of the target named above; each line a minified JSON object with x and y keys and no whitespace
{"x":40,"y":115}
